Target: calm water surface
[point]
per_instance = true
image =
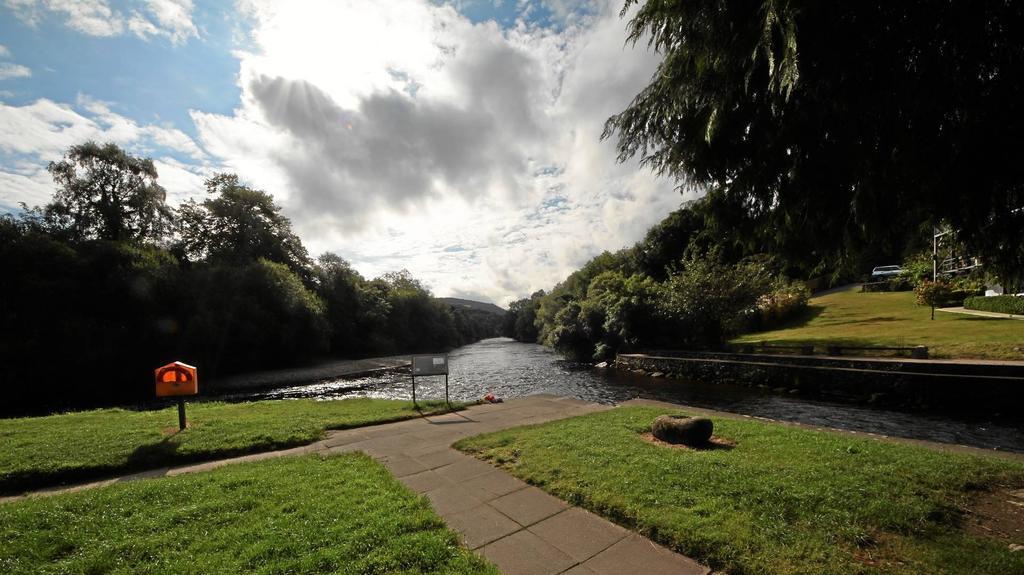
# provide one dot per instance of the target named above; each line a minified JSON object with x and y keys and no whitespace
{"x":510,"y":369}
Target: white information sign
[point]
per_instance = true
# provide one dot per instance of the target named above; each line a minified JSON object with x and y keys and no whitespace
{"x":427,"y":365}
{"x":423,"y":365}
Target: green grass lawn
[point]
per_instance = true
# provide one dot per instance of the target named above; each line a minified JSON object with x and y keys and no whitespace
{"x":311,"y":514}
{"x":894,"y":319}
{"x":784,"y":500}
{"x":41,"y":451}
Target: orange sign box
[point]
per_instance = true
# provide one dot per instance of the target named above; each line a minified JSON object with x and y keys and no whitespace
{"x":176,"y":379}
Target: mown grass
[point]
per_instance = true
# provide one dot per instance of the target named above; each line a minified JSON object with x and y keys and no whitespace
{"x":894,"y":319}
{"x":783,"y":501}
{"x":42,"y":451}
{"x":311,"y":514}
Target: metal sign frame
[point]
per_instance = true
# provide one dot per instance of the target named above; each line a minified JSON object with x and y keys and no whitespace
{"x":428,"y":365}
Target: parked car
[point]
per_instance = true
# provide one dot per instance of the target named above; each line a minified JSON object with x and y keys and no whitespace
{"x":882,"y":272}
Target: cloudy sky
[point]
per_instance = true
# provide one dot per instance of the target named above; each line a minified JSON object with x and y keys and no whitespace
{"x":458,"y":140}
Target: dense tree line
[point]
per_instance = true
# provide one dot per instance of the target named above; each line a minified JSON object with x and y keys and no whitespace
{"x":107,"y":281}
{"x":685,"y":285}
{"x":825,"y":138}
{"x":827,"y":129}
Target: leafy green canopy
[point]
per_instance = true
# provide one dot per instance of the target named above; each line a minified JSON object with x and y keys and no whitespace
{"x":238,"y":225}
{"x":107,"y":281}
{"x":104,"y":193}
{"x":826,"y":126}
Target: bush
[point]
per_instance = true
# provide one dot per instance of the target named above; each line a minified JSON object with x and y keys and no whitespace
{"x":250,"y":317}
{"x":941,"y":294}
{"x":1000,"y":303}
{"x":709,"y":301}
{"x":896,"y":283}
{"x":918,"y":267}
{"x":785,"y":301}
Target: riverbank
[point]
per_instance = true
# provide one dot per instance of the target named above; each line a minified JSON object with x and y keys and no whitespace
{"x":776,"y":498}
{"x":510,"y":369}
{"x":514,"y":525}
{"x":44,"y":451}
{"x":847,"y":317}
{"x":309,"y":374}
{"x":855,"y":503}
{"x":884,"y":382}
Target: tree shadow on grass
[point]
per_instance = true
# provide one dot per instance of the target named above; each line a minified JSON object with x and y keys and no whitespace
{"x":799,"y":320}
{"x":153,"y":454}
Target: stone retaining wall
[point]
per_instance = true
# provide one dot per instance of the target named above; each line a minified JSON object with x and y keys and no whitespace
{"x":983,"y":388}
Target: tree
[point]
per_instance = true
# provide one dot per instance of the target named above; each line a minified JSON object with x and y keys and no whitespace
{"x":105,"y":193}
{"x":520,"y":320}
{"x":707,"y":299}
{"x":239,"y":225}
{"x":835,"y":125}
{"x":339,"y":287}
{"x":665,"y":243}
{"x":249,"y":317}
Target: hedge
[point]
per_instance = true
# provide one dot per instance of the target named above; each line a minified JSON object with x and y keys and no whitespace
{"x":1000,"y":303}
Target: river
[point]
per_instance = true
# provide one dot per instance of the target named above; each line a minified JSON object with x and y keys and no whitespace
{"x":510,"y":369}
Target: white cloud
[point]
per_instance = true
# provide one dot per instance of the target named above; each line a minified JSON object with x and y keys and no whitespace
{"x":173,"y":19}
{"x":399,"y":134}
{"x":9,"y":70}
{"x":42,"y":131}
{"x":168,"y":18}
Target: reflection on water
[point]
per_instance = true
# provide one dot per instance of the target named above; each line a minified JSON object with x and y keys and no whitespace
{"x":510,"y":369}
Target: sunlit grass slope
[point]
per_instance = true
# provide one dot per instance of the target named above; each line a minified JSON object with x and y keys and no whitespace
{"x":299,"y":515}
{"x":40,"y":451}
{"x":893,"y":319}
{"x":783,"y":501}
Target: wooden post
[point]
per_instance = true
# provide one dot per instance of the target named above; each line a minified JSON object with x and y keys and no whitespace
{"x":181,"y":413}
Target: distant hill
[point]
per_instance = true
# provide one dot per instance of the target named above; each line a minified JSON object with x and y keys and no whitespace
{"x":470,"y":304}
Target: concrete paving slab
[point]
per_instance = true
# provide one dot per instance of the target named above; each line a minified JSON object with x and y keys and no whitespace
{"x":523,"y":553}
{"x":425,"y":481}
{"x":497,"y":482}
{"x":451,"y":499}
{"x":339,"y":438}
{"x":579,"y":570}
{"x":636,"y":554}
{"x":440,"y":457}
{"x":578,"y":533}
{"x":464,"y":468}
{"x":481,"y":525}
{"x":528,"y":506}
{"x":401,"y":466}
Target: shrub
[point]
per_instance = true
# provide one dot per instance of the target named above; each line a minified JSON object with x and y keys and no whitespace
{"x":895,"y":283}
{"x":1000,"y":303}
{"x":709,"y":301}
{"x":918,"y":267}
{"x":941,"y":294}
{"x":785,"y":301}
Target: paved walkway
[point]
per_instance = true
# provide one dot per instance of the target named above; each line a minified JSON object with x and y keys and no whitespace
{"x":979,"y":312}
{"x":521,"y":529}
